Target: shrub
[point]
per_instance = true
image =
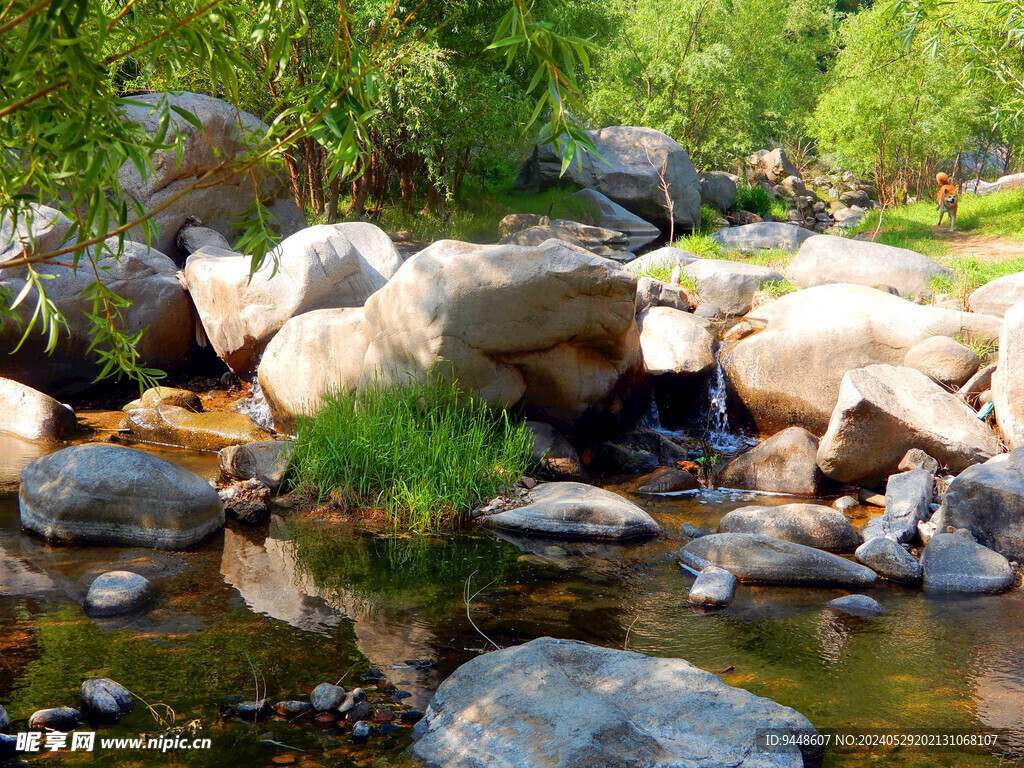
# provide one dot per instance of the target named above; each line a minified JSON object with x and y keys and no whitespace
{"x":423,"y":454}
{"x":754,"y":199}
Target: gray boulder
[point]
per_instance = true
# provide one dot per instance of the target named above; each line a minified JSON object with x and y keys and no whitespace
{"x":769,"y":235}
{"x":626,"y":710}
{"x":327,"y":697}
{"x":717,"y":189}
{"x":223,"y":132}
{"x":625,"y":169}
{"x":857,"y":197}
{"x":728,"y":286}
{"x":784,"y":463}
{"x":655,"y":293}
{"x":30,"y":414}
{"x":848,"y":218}
{"x":63,"y":719}
{"x":105,"y":700}
{"x":856,"y":605}
{"x":320,"y":267}
{"x":265,"y":460}
{"x":675,"y":343}
{"x":662,"y":258}
{"x":943,"y":360}
{"x":191,"y":239}
{"x":790,"y":373}
{"x":117,"y":592}
{"x":1008,"y":379}
{"x":554,"y":453}
{"x":825,"y":259}
{"x":714,"y":587}
{"x":889,"y":560}
{"x":603,"y":242}
{"x":576,"y":511}
{"x":664,"y":480}
{"x":812,"y":525}
{"x":954,"y":563}
{"x":915,"y":458}
{"x":109,"y":494}
{"x":995,"y":297}
{"x":591,"y":207}
{"x":883,"y":411}
{"x":988,"y":500}
{"x":757,"y":559}
{"x":908,"y":498}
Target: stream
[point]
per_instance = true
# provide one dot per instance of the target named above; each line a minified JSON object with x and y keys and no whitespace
{"x":277,"y":609}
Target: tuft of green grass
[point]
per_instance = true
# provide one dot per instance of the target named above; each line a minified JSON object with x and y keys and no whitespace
{"x":424,"y":454}
{"x":708,"y":220}
{"x":985,"y":348}
{"x":779,"y":210}
{"x":662,"y":272}
{"x":773,"y":289}
{"x":754,"y":199}
{"x":700,"y":244}
{"x":970,"y":274}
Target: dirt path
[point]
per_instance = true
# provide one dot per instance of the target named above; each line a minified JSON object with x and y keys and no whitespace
{"x":982,"y":248}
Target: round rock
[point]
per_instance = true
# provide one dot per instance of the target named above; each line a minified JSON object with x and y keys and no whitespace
{"x":117,"y":592}
{"x":856,"y":605}
{"x":56,"y":719}
{"x":954,"y":563}
{"x":104,"y":699}
{"x":293,"y":709}
{"x":326,"y":697}
{"x":109,"y":494}
{"x":765,"y":560}
{"x":889,"y":560}
{"x":812,"y":525}
{"x":714,"y":587}
{"x":575,"y":510}
{"x":943,"y":360}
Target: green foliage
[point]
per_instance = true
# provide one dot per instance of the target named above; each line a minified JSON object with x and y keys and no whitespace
{"x":753,"y":198}
{"x":699,"y":244}
{"x":424,"y":454}
{"x":779,"y":210}
{"x":773,"y":289}
{"x":708,"y":219}
{"x":662,"y":272}
{"x":722,"y":77}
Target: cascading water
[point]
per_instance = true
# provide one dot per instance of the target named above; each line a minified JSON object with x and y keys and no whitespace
{"x":256,"y":407}
{"x":717,"y":432}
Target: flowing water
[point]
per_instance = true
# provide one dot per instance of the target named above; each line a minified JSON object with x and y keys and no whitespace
{"x":297,"y":602}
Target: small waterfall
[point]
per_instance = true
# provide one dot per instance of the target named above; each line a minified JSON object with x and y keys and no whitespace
{"x":256,"y":407}
{"x":718,"y":434}
{"x":652,"y":419}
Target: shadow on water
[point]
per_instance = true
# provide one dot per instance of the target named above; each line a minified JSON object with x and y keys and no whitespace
{"x":300,"y":602}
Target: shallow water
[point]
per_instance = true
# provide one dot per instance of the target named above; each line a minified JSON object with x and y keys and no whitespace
{"x":295,"y":603}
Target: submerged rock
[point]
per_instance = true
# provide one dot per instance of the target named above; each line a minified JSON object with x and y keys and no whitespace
{"x":30,"y":414}
{"x":109,"y":494}
{"x":567,"y":704}
{"x":812,"y":525}
{"x":266,"y":461}
{"x":293,"y":709}
{"x":784,"y":463}
{"x":105,"y":700}
{"x":889,"y":560}
{"x":765,"y":560}
{"x":253,"y":710}
{"x":117,"y":592}
{"x":883,"y":411}
{"x":575,"y":510}
{"x":714,"y":587}
{"x":361,"y":731}
{"x":954,"y":563}
{"x":856,"y":605}
{"x":211,"y":431}
{"x":57,"y":719}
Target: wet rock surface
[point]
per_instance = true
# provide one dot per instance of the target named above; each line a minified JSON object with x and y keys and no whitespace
{"x":106,"y":700}
{"x":812,"y":525}
{"x":784,"y":463}
{"x":714,"y":587}
{"x":212,"y":431}
{"x":265,"y":460}
{"x":955,"y":563}
{"x":856,"y":605}
{"x":908,"y":498}
{"x":889,"y":560}
{"x":117,"y":592}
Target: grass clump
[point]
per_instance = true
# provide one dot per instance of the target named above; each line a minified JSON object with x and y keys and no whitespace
{"x":773,"y":289}
{"x":754,"y":199}
{"x":424,"y":454}
{"x":663,"y":272}
{"x":970,"y":274}
{"x":708,"y":219}
{"x":700,"y":244}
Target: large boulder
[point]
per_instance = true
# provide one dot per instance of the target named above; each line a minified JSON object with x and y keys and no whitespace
{"x":771,"y":235}
{"x":211,"y":431}
{"x":728,"y":286}
{"x":549,"y":328}
{"x":32,"y":415}
{"x":787,"y":462}
{"x":996,"y":297}
{"x":777,"y":165}
{"x":626,"y":169}
{"x":954,"y":563}
{"x":320,"y":267}
{"x":675,"y":343}
{"x":159,"y":308}
{"x":790,"y":372}
{"x":656,"y":293}
{"x":1008,"y":379}
{"x":576,"y":511}
{"x":812,"y":525}
{"x":943,"y":360}
{"x":109,"y":494}
{"x":988,"y":500}
{"x":757,"y":559}
{"x":883,"y":411}
{"x":908,"y":498}
{"x":717,"y":189}
{"x":315,"y":354}
{"x":591,"y":207}
{"x":568,"y":704}
{"x":825,"y":259}
{"x":223,"y":133}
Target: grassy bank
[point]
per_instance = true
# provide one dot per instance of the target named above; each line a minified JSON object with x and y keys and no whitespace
{"x":423,"y":455}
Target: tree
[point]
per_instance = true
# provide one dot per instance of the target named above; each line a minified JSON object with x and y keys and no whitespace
{"x":67,"y":67}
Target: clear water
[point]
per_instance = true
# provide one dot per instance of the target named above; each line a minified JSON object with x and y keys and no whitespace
{"x":303,"y":601}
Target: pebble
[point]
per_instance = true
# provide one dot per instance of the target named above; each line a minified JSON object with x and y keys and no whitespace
{"x":293,"y":708}
{"x":56,"y":719}
{"x":844,"y":503}
{"x":383,"y":715}
{"x":326,"y":717}
{"x":104,"y":699}
{"x":254,"y":710}
{"x":361,"y":731}
{"x":354,"y":696}
{"x":360,"y":711}
{"x":117,"y":592}
{"x":284,"y":759}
